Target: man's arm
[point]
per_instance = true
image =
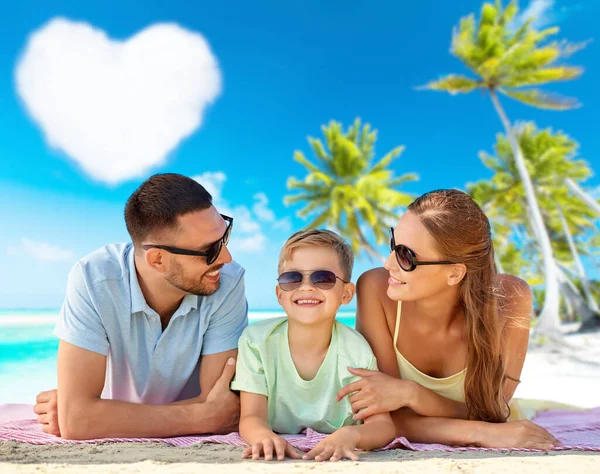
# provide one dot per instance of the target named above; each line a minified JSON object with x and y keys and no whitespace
{"x":211,"y":369}
{"x":82,"y":414}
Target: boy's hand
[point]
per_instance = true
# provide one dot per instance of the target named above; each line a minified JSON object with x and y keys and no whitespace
{"x":267,"y":445}
{"x":339,"y":445}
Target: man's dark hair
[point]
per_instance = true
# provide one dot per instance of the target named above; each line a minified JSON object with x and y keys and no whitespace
{"x":156,"y":204}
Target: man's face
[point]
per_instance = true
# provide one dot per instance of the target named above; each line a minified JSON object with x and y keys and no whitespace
{"x":197,"y":231}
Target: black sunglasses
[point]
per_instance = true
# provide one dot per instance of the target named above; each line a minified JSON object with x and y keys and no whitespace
{"x":407,"y":258}
{"x":322,"y":279}
{"x":211,"y":254}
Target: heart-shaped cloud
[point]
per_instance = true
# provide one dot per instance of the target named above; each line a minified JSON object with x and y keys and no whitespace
{"x":116,"y":108}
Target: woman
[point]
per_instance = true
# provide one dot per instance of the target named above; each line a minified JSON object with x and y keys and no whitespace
{"x":449,"y":334}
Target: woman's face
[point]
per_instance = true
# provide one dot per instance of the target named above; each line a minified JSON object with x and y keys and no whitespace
{"x":424,"y":281}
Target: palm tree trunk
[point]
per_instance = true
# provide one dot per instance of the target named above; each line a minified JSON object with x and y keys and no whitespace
{"x":580,"y":269}
{"x":549,"y":321}
{"x":589,"y":319}
{"x":585,"y":197}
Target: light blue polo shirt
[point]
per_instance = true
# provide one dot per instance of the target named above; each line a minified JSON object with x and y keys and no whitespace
{"x":105,"y":312}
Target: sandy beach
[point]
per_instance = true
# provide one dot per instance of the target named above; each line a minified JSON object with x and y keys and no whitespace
{"x":212,"y":459}
{"x":567,"y":373}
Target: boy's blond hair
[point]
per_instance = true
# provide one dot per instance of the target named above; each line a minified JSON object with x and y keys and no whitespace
{"x":319,"y":238}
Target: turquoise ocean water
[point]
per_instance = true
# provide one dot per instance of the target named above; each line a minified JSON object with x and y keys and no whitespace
{"x":28,"y":350}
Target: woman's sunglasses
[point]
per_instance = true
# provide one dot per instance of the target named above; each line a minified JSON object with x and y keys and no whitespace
{"x":211,"y":253}
{"x":322,"y":279}
{"x":407,"y":258}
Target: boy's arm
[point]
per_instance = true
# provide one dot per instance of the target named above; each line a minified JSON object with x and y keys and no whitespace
{"x":254,"y":417}
{"x":257,"y":433}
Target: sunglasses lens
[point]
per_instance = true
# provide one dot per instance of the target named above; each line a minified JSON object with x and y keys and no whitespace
{"x":227,"y":234}
{"x":290,"y":280}
{"x":213,"y":252}
{"x":323,"y":279}
{"x":404,"y":257}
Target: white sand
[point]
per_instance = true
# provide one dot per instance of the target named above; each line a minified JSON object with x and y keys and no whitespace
{"x":568,"y":373}
{"x":213,"y":459}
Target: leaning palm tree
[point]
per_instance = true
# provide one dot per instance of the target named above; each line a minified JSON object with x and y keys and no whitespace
{"x":345,"y":191}
{"x":509,"y":60}
{"x":550,"y":158}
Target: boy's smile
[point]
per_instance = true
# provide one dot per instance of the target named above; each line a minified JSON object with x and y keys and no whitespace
{"x":307,"y":302}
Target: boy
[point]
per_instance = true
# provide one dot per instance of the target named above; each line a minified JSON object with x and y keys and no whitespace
{"x":289,"y":370}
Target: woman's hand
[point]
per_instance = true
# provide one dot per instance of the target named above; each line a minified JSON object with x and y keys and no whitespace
{"x":377,"y":392}
{"x":516,"y":434}
{"x":267,"y":445}
{"x":339,"y":445}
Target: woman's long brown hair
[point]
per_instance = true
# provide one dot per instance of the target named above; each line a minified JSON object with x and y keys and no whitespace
{"x":463,"y":234}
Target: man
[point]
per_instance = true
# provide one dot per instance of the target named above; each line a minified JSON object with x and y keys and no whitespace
{"x":148,"y":331}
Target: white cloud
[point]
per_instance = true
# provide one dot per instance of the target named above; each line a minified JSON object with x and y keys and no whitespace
{"x":261,"y":208}
{"x":213,"y":183}
{"x":42,"y":251}
{"x":544,"y":13}
{"x":116,"y":108}
{"x":252,"y":244}
{"x":540,"y":11}
{"x":249,"y":236}
{"x":284,"y":224}
{"x":245,"y":220}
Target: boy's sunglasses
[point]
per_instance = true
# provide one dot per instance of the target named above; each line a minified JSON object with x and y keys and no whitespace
{"x":211,"y":254}
{"x":407,"y":258}
{"x":322,"y":279}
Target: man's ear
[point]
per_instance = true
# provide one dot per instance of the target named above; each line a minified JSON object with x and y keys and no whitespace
{"x":155,"y":259}
{"x":349,"y":291}
{"x":457,"y":273}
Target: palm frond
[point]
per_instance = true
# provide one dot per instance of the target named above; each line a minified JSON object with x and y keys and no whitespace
{"x":541,"y":99}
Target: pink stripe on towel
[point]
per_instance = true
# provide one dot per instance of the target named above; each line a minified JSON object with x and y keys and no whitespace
{"x":578,"y":430}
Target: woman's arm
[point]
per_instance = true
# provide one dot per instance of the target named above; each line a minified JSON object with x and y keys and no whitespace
{"x":514,"y":309}
{"x":371,"y":319}
{"x":427,"y":429}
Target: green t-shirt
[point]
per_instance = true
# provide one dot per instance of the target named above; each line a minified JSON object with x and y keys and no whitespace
{"x":265,"y":366}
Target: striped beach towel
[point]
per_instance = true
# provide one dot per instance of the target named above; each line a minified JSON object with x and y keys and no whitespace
{"x":577,"y":430}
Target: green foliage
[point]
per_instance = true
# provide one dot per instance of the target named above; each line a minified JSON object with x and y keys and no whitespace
{"x":347,"y":189}
{"x":506,"y":58}
{"x":550,"y":158}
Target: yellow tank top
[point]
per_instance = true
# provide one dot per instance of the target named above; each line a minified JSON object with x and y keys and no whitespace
{"x":453,"y":387}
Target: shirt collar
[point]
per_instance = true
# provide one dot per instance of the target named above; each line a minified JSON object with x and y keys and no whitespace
{"x":138,"y":302}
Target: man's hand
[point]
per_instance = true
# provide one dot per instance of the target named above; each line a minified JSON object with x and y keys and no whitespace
{"x":226,"y":403}
{"x":46,"y":408}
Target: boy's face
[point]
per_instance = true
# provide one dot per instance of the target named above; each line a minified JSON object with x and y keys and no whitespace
{"x":307,"y":303}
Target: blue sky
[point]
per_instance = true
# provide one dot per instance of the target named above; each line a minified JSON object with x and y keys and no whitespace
{"x":284,"y":69}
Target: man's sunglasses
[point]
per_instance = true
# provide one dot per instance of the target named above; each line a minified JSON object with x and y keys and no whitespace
{"x":211,"y":254}
{"x":322,"y":279}
{"x":407,"y":258}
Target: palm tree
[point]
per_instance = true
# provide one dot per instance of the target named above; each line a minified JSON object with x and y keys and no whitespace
{"x":550,"y":161}
{"x":509,"y":61}
{"x":346,"y":191}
